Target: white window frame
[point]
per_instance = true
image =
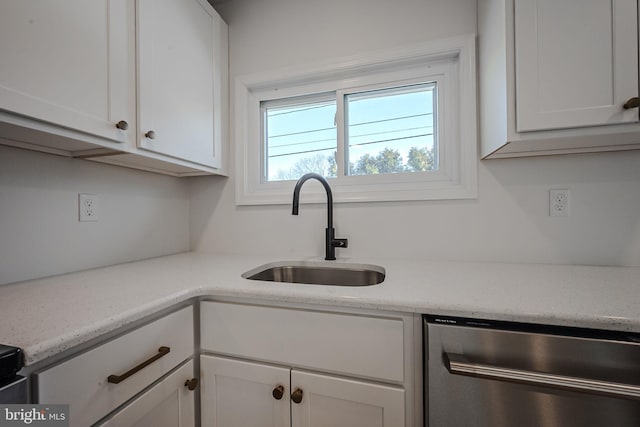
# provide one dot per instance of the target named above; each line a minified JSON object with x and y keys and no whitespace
{"x":450,"y":62}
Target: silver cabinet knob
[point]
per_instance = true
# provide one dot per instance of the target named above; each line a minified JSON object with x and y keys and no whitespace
{"x":151,"y":134}
{"x":122,"y":125}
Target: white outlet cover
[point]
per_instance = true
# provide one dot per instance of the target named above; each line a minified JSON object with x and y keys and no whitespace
{"x":87,"y":207}
{"x":559,"y":202}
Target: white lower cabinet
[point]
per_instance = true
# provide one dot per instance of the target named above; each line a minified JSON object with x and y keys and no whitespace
{"x":249,"y":394}
{"x":339,"y":402}
{"x":170,"y":403}
{"x":260,"y":366}
{"x":98,"y":382}
{"x":281,"y":366}
{"x":239,"y":393}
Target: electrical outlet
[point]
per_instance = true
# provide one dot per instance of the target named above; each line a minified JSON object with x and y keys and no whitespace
{"x":87,"y":207}
{"x":559,"y":202}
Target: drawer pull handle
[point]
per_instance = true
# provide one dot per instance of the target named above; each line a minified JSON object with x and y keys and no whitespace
{"x":122,"y":125}
{"x":278,"y":392}
{"x":296,"y":396}
{"x":632,"y":103}
{"x":117,"y":379}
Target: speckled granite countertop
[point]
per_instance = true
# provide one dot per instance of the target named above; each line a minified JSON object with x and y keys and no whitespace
{"x":48,"y":316}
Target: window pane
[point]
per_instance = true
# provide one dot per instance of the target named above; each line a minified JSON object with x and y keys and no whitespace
{"x":299,"y":138}
{"x":391,"y":130}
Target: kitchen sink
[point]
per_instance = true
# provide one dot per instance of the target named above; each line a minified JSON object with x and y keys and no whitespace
{"x":318,"y":273}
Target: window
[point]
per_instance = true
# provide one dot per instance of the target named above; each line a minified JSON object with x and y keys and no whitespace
{"x":385,"y":131}
{"x":300,"y":137}
{"x":391,"y":130}
{"x":391,"y":126}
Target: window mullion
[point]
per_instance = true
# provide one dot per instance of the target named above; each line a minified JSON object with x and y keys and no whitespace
{"x":341,"y":153}
{"x":264,"y":164}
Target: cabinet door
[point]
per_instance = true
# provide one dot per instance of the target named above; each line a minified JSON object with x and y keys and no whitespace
{"x":180,"y":55}
{"x":338,"y":402}
{"x":238,"y":393}
{"x":69,"y":63}
{"x":167,"y":404}
{"x":576,"y":62}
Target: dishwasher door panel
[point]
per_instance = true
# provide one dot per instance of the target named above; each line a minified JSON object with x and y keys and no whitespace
{"x":500,"y":378}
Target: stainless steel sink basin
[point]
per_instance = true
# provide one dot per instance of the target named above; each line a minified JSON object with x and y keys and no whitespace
{"x":318,"y":273}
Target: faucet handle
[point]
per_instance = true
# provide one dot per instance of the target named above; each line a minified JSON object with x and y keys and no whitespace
{"x":340,"y":243}
{"x":331,"y":243}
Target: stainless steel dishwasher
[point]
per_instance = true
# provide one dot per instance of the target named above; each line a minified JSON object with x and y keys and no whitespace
{"x":500,"y":374}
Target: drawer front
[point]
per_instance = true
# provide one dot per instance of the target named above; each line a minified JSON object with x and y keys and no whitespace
{"x":370,"y":347}
{"x":82,"y":381}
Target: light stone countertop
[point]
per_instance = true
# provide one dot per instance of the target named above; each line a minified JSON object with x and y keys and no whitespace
{"x":48,"y":316}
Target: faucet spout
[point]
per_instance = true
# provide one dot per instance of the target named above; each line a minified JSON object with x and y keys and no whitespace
{"x":325,"y":184}
{"x":331,"y":242}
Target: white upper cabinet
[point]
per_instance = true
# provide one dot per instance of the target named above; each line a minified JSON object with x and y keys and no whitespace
{"x":68,"y":64}
{"x":139,"y":84}
{"x":179,"y":88}
{"x":555,"y":76}
{"x":576,"y":63}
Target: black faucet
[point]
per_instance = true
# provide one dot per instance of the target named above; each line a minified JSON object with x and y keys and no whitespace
{"x":331,"y":243}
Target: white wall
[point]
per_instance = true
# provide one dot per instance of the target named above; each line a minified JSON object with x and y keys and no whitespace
{"x":508,"y":222}
{"x":142,"y":215}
